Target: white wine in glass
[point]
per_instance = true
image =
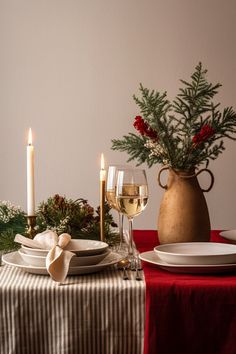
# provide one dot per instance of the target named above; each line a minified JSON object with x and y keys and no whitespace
{"x":133,"y":199}
{"x":131,"y":196}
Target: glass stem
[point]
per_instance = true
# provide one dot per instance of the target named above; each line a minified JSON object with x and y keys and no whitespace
{"x":131,"y":247}
{"x":121,"y":225}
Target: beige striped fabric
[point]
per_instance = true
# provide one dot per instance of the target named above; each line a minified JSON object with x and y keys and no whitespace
{"x":89,"y":314}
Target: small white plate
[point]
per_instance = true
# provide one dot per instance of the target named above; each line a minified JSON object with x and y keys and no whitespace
{"x":197,"y":253}
{"x":151,"y":257}
{"x":76,"y":261}
{"x":229,"y":235}
{"x":79,"y":247}
{"x":15,"y":260}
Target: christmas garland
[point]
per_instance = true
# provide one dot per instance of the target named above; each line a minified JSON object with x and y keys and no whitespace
{"x":59,"y":214}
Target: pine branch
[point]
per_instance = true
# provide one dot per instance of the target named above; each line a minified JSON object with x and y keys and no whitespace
{"x":135,"y":146}
{"x":7,"y":243}
{"x":195,"y":99}
{"x":153,"y":103}
{"x":209,"y":154}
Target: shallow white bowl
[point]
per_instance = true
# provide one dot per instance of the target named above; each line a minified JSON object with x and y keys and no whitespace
{"x":79,"y":247}
{"x":229,"y":235}
{"x":76,"y":261}
{"x":197,"y":253}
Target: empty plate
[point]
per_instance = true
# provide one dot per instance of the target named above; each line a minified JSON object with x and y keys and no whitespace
{"x":14,"y":259}
{"x":151,"y":257}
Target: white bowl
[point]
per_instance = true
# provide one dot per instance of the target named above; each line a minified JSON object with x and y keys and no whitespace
{"x":197,"y":253}
{"x":76,"y":261}
{"x":229,"y":235}
{"x":79,"y":247}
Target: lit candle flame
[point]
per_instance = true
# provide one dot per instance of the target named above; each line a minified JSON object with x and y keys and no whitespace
{"x":102,"y":162}
{"x":30,"y":140}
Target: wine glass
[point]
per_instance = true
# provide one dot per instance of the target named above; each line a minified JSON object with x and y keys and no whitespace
{"x":111,"y":199}
{"x":131,"y":197}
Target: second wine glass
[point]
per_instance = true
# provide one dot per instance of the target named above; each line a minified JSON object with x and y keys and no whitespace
{"x":111,"y":199}
{"x":131,"y":197}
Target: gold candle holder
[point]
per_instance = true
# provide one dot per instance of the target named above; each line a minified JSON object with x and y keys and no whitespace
{"x":31,"y":221}
{"x":102,"y":210}
{"x":102,"y":199}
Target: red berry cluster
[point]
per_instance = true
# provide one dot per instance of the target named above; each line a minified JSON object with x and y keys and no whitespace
{"x":143,"y":128}
{"x":205,"y":133}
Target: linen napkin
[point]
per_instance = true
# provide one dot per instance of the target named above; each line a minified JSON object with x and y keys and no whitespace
{"x":57,"y":260}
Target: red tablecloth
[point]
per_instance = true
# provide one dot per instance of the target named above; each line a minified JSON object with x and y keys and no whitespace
{"x":187,"y":314}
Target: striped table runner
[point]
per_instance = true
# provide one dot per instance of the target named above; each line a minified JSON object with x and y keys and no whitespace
{"x":90,"y":314}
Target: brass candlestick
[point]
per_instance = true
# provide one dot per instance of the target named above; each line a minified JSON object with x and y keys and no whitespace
{"x":102,"y":210}
{"x":31,"y":221}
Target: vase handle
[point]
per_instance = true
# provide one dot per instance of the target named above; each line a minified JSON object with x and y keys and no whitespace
{"x":212,"y":179}
{"x":159,"y":177}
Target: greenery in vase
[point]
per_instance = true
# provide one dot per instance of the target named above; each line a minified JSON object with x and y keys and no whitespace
{"x":182,"y":134}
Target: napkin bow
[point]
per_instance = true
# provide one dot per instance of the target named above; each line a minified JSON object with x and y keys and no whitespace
{"x":58,"y":259}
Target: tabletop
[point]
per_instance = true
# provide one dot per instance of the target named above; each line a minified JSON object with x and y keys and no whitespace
{"x":100,"y":313}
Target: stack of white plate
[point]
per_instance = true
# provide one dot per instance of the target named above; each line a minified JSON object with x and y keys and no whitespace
{"x":90,"y":256}
{"x":193,"y":257}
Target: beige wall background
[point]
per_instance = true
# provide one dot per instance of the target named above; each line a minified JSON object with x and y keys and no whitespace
{"x":69,"y":68}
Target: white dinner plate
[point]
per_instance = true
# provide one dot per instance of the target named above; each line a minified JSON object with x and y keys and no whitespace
{"x":15,"y":260}
{"x":229,"y":235}
{"x":79,"y":247}
{"x":152,"y":257}
{"x":197,"y":253}
{"x":76,"y":261}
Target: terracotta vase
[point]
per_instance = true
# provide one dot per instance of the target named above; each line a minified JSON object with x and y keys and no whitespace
{"x":183,"y":215}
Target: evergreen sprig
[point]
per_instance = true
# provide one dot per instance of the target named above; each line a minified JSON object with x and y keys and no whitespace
{"x":12,"y":221}
{"x":75,"y":217}
{"x":188,"y":131}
